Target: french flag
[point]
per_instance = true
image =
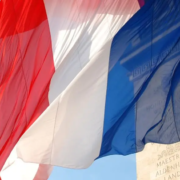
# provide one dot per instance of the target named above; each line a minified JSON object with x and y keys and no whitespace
{"x":76,"y":84}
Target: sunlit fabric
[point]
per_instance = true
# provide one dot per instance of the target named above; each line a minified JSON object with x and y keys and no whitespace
{"x":112,"y":89}
{"x":54,"y":60}
{"x":143,"y":92}
{"x":26,"y":68}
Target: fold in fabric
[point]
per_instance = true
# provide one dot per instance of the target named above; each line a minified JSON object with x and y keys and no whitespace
{"x":71,"y":41}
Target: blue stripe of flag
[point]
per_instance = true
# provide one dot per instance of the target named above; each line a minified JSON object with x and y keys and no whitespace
{"x":143,"y":92}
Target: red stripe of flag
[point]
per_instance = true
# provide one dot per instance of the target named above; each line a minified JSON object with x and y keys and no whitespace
{"x":141,"y":2}
{"x":26,"y":68}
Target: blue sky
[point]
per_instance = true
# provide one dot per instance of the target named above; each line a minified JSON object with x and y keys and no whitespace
{"x":114,"y":167}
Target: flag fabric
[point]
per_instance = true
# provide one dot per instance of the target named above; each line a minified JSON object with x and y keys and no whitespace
{"x":141,"y":2}
{"x":144,"y":58}
{"x":111,"y":91}
{"x":48,"y":49}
